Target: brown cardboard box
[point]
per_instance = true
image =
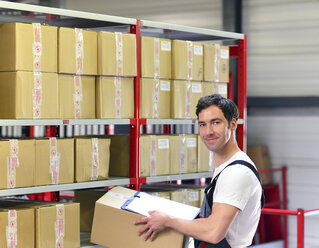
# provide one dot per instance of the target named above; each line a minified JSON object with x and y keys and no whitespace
{"x":26,"y":163}
{"x":120,"y":156}
{"x":156,"y":58}
{"x":205,"y":157}
{"x":17,"y":43}
{"x":181,"y":106}
{"x":259,"y":155}
{"x":183,"y":154}
{"x":216,"y":63}
{"x":60,"y":150}
{"x":155,"y":98}
{"x":67,"y":92}
{"x":114,"y":97}
{"x":24,"y":224}
{"x":158,"y":163}
{"x":18,"y":91}
{"x":110,"y":219}
{"x":210,"y":88}
{"x":187,"y":196}
{"x":87,"y":199}
{"x":68,"y":38}
{"x":110,"y":61}
{"x":186,"y":67}
{"x":163,"y":194}
{"x":87,"y":159}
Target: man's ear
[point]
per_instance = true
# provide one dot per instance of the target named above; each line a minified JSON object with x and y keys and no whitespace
{"x":233,"y":124}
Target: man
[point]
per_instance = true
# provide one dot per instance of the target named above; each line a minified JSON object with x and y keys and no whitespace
{"x":231,"y":208}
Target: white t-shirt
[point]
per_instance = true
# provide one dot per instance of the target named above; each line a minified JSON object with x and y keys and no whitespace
{"x":238,"y":186}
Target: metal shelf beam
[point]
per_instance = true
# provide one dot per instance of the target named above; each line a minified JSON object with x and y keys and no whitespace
{"x":57,"y":122}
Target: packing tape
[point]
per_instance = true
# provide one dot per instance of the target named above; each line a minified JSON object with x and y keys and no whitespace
{"x":184,"y":196}
{"x":189,"y":60}
{"x":12,"y":229}
{"x":153,"y":155}
{"x":118,"y":97}
{"x":37,"y":95}
{"x":156,"y":97}
{"x":12,"y":163}
{"x":95,"y":159}
{"x":79,"y":51}
{"x":59,"y":225}
{"x":54,"y":161}
{"x":188,"y":99}
{"x":77,"y":97}
{"x":211,"y":161}
{"x":182,"y":153}
{"x":37,"y":46}
{"x":217,"y":62}
{"x":119,"y":54}
{"x":156,"y":58}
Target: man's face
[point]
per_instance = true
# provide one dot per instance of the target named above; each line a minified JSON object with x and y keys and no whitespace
{"x":214,"y":128}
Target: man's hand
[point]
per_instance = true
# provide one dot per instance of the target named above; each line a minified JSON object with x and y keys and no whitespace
{"x":155,"y":223}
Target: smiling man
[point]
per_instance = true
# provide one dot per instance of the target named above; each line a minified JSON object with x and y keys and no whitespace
{"x":233,"y":200}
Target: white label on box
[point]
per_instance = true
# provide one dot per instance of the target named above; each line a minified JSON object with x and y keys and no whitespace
{"x":198,"y":50}
{"x":222,"y":89}
{"x":165,"y":45}
{"x":191,"y":142}
{"x":193,"y":196}
{"x":163,"y":144}
{"x":165,"y":86}
{"x":224,"y":54}
{"x":196,"y":88}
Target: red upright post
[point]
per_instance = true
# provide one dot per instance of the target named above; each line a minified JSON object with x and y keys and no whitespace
{"x":285,"y":204}
{"x":300,"y":228}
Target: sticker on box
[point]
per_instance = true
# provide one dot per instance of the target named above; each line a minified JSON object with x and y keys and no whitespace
{"x":222,"y":89}
{"x":165,"y":86}
{"x":163,"y":144}
{"x":191,"y":142}
{"x":193,"y":196}
{"x":165,"y":45}
{"x":198,"y":50}
{"x":224,"y":53}
{"x":196,"y":88}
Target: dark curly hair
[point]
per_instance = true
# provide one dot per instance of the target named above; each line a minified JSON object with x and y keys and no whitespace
{"x":227,"y":106}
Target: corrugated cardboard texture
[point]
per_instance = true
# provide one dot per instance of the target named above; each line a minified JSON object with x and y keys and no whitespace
{"x":191,"y":154}
{"x":209,"y":64}
{"x":203,"y":156}
{"x":16,"y":95}
{"x":105,"y":97}
{"x":110,"y":221}
{"x":67,"y":59}
{"x":66,"y":97}
{"x":83,"y":159}
{"x":120,"y":156}
{"x":178,"y":99}
{"x":148,"y":58}
{"x":179,"y":61}
{"x":162,"y":156}
{"x":26,"y":163}
{"x":107,"y":63}
{"x":42,"y":161}
{"x":16,"y":47}
{"x":147,"y":98}
{"x":25,"y":228}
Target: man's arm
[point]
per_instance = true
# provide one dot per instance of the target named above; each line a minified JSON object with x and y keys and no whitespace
{"x":212,"y":229}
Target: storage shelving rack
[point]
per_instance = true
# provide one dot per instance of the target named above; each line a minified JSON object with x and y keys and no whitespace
{"x":79,"y":19}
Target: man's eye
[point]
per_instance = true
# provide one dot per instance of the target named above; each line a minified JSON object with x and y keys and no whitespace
{"x":202,"y":125}
{"x":216,"y":122}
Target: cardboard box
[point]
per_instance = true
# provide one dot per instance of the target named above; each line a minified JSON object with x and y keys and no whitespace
{"x":184,"y":98}
{"x":19,"y":155}
{"x":24,"y":95}
{"x":120,"y":156}
{"x":92,"y":157}
{"x":154,"y":155}
{"x":110,"y":219}
{"x":17,"y":44}
{"x":205,"y":157}
{"x":164,"y":194}
{"x":155,"y":98}
{"x":216,"y":63}
{"x":114,"y":97}
{"x":24,"y":230}
{"x":87,"y":199}
{"x":187,"y":196}
{"x":183,"y":154}
{"x":187,"y":60}
{"x":156,"y":58}
{"x":77,"y":51}
{"x":260,"y":156}
{"x":81,"y":106}
{"x":54,"y":161}
{"x":210,"y":88}
{"x":117,"y":54}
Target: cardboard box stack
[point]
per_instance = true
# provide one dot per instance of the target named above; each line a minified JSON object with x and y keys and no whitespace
{"x":205,"y":157}
{"x":116,"y":69}
{"x":28,"y":71}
